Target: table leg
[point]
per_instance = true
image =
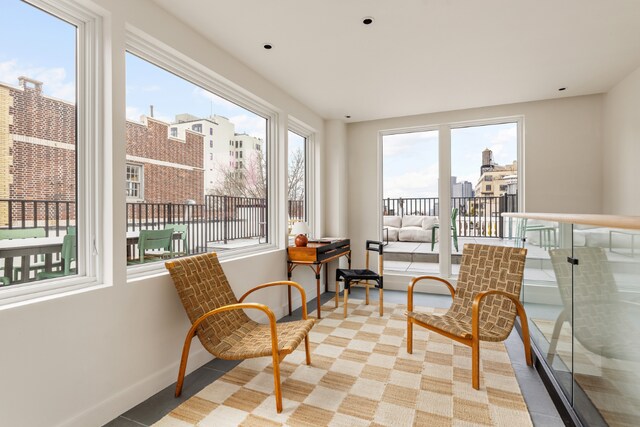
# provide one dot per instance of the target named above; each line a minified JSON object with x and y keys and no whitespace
{"x":8,"y":268}
{"x":289,"y":269}
{"x":318,"y":268}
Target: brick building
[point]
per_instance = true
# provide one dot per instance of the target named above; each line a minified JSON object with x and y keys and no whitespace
{"x":38,"y":153}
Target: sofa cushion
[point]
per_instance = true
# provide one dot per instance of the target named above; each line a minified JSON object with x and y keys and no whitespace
{"x":429,"y":221}
{"x":392,"y":221}
{"x":412,"y":221}
{"x":414,"y":234}
{"x":390,"y":234}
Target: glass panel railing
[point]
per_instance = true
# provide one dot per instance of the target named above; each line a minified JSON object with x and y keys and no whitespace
{"x":606,"y":325}
{"x":546,"y":243}
{"x":582,"y":296}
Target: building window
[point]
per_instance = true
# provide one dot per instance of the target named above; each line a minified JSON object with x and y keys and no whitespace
{"x":488,"y":178}
{"x":503,"y":187}
{"x":240,"y":144}
{"x":241,"y":154}
{"x":174,"y":132}
{"x":210,"y":131}
{"x":488,"y":188}
{"x":49,"y":104}
{"x":176,"y":176}
{"x":211,"y":143}
{"x":134,"y":181}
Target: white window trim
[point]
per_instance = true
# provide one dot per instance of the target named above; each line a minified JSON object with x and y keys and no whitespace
{"x":89,"y":111}
{"x":159,"y":54}
{"x":301,"y":129}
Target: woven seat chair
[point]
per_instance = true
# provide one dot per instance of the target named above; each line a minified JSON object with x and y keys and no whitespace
{"x":485,"y":302}
{"x":222,"y":326}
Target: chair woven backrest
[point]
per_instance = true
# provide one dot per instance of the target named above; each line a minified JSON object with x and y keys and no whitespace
{"x":483,"y":268}
{"x":202,"y":287}
{"x":590,"y":295}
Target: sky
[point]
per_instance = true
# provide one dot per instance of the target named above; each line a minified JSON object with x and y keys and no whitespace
{"x":410,"y":160}
{"x":25,"y":52}
{"x":49,"y":55}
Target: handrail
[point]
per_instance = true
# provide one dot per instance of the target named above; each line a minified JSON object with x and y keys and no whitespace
{"x":611,"y":221}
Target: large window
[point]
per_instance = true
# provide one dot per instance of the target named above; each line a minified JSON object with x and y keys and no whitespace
{"x":48,"y":81}
{"x":189,"y":184}
{"x":298,"y":176}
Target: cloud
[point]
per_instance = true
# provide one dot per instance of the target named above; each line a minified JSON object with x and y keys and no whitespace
{"x":503,"y":144}
{"x":422,"y":183}
{"x":253,"y":125}
{"x":404,"y":144}
{"x":54,"y":79}
{"x":218,"y":101}
{"x":133,"y":113}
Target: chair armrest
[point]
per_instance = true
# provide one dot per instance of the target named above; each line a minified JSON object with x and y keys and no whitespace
{"x":303,"y":294}
{"x":253,"y":305}
{"x":475,"y":313}
{"x":417,"y":279}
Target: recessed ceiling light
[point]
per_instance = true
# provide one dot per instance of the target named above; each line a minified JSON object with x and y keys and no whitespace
{"x":268,"y":46}
{"x":367,"y":20}
{"x":562,"y":88}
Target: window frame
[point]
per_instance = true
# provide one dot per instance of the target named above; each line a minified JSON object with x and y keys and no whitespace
{"x":90,"y":99}
{"x":159,"y":54}
{"x":140,"y":196}
{"x":309,"y":134}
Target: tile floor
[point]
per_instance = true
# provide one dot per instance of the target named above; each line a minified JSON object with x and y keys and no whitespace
{"x":542,"y":409}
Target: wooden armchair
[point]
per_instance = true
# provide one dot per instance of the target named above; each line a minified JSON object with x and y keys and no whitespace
{"x":222,"y":326}
{"x":485,"y":302}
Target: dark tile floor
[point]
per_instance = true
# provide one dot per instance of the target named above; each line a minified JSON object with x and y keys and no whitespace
{"x":542,"y":409}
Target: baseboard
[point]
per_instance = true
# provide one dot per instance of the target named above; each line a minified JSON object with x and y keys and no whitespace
{"x":121,"y":402}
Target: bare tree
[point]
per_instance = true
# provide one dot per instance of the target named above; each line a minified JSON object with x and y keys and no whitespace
{"x":250,"y":180}
{"x":296,"y":175}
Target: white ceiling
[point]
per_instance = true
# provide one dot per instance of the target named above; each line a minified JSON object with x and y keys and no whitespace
{"x":422,"y":56}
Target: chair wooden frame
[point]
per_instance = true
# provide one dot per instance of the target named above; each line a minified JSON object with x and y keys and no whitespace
{"x":474,"y":340}
{"x":276,"y":354}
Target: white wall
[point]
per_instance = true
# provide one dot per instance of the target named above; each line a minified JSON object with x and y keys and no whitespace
{"x":563,"y":168}
{"x":621,"y":147}
{"x":83,"y":359}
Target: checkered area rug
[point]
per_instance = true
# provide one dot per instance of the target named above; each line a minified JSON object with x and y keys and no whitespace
{"x":362,"y":375}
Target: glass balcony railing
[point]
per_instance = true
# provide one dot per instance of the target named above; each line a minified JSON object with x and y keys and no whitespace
{"x":582,"y":297}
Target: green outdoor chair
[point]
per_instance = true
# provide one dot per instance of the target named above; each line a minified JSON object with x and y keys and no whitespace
{"x":454,"y":230}
{"x":24,"y":233}
{"x":4,"y":281}
{"x":183,"y":230}
{"x":69,"y":253}
{"x":159,"y":240}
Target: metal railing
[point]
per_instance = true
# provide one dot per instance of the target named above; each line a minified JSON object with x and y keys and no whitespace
{"x":218,"y":219}
{"x":52,"y":215}
{"x":477,"y":216}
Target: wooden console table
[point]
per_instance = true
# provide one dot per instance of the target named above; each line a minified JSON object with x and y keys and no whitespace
{"x":315,"y":255}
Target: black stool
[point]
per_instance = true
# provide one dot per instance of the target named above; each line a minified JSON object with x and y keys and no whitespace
{"x":358,"y":276}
